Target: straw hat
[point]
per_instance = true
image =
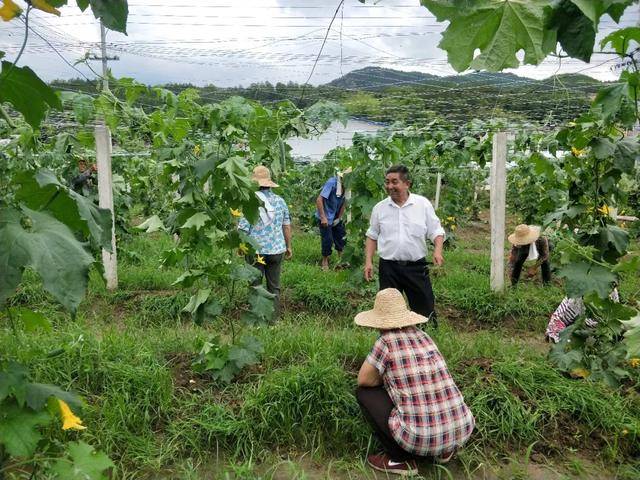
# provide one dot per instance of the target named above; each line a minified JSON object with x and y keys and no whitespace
{"x":262,"y":177}
{"x":524,"y":234}
{"x":389,"y":311}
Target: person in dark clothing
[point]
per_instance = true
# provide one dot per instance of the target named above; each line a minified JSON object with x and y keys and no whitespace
{"x":84,"y":181}
{"x":529,"y":246}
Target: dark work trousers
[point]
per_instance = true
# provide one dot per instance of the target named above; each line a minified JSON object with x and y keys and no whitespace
{"x":272,"y":273}
{"x":376,"y":407}
{"x":332,"y":236}
{"x":412,"y":279}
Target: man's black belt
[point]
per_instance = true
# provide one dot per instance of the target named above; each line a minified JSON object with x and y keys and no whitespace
{"x":405,"y":263}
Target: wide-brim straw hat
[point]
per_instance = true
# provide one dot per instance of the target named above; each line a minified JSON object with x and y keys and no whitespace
{"x":389,"y":311}
{"x":262,"y":176}
{"x":524,"y":234}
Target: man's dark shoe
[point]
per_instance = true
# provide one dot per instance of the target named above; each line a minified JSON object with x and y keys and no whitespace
{"x":383,"y":463}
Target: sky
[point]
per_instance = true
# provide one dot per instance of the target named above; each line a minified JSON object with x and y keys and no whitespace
{"x":232,"y":43}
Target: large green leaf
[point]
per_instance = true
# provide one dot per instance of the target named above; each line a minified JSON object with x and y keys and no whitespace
{"x":19,"y":433}
{"x":582,"y":278}
{"x":50,"y":248}
{"x":112,"y":13}
{"x":84,"y":463}
{"x":620,"y":40}
{"x":41,"y":189}
{"x":632,"y":336}
{"x":576,"y":31}
{"x":609,"y":100}
{"x":39,"y":393}
{"x":29,"y":95}
{"x":83,"y":108}
{"x":499,"y":29}
{"x":13,"y":381}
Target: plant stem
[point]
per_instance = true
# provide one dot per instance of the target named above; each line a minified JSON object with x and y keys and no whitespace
{"x":24,"y":44}
{"x":6,"y":117}
{"x":12,"y":323}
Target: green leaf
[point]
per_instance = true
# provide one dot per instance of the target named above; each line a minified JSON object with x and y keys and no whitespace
{"x":13,"y":381}
{"x":620,"y":40}
{"x":242,"y":356}
{"x":628,"y":265}
{"x":29,"y":95}
{"x":262,"y":306}
{"x":112,"y":13}
{"x":498,"y":28}
{"x":187,"y":279}
{"x":83,"y":108}
{"x":196,"y":300}
{"x":19,"y":433}
{"x":152,"y":224}
{"x":632,"y":336}
{"x":237,"y":174}
{"x":197,"y":221}
{"x":627,"y":153}
{"x":39,"y":393}
{"x":31,"y":320}
{"x":609,"y":100}
{"x":576,"y":32}
{"x":41,"y":190}
{"x":602,"y":147}
{"x":84,"y":463}
{"x":245,"y":273}
{"x":542,"y":165}
{"x":616,"y":236}
{"x":82,"y":4}
{"x":582,"y":278}
{"x":47,"y":246}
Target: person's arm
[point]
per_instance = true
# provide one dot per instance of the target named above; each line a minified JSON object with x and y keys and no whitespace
{"x":435,"y":233}
{"x":370,"y":248}
{"x":323,"y":217}
{"x":371,"y":243}
{"x":286,"y":230}
{"x":368,"y":376}
{"x":341,"y":211}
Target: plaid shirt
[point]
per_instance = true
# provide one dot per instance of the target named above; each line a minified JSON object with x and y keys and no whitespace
{"x":430,"y":416}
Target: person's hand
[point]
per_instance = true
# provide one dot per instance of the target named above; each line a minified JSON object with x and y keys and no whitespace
{"x":368,"y":271}
{"x":324,"y":222}
{"x":288,"y":254}
{"x":438,"y":259}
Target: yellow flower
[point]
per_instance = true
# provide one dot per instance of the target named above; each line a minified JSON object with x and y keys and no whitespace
{"x":604,"y":209}
{"x":576,"y":152}
{"x":196,"y":150}
{"x":625,"y":431}
{"x":634,"y":362}
{"x":45,"y":7}
{"x":579,"y":373}
{"x":69,"y":420}
{"x":260,"y":259}
{"x":453,"y":228}
{"x":243,"y":249}
{"x":9,"y":10}
{"x":451,"y":219}
{"x":235,"y":212}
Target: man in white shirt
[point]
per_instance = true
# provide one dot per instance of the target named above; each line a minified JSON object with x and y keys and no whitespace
{"x":398,"y":230}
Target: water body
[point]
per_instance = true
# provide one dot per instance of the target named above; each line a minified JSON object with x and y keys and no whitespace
{"x":337,"y":135}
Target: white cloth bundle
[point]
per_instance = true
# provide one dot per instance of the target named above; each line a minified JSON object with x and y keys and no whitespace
{"x":267,"y":211}
{"x":533,"y":252}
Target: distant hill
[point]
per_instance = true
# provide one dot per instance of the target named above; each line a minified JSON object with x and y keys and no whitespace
{"x":376,"y":78}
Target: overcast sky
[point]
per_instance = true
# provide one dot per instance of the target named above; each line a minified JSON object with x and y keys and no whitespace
{"x":231,"y":42}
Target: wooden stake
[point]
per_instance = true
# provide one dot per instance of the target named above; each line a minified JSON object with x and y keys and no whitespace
{"x":438,"y":185}
{"x":498,"y":207}
{"x":105,"y":200}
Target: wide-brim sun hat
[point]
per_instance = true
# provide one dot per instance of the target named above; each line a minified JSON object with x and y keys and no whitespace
{"x":524,"y":235}
{"x":262,"y":176}
{"x":389,"y":311}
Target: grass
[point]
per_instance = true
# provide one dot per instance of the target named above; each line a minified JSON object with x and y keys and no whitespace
{"x":294,"y":416}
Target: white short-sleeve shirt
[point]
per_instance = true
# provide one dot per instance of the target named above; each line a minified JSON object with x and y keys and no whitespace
{"x":401,"y":232}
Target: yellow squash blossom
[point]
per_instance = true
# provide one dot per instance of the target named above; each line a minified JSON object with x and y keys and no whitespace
{"x":604,"y":210}
{"x":579,"y":373}
{"x":634,"y":362}
{"x":260,"y":259}
{"x":243,"y":249}
{"x":576,"y":152}
{"x":196,"y":150}
{"x":69,"y":420}
{"x":9,"y":10}
{"x":235,"y":212}
{"x":45,"y":7}
{"x":453,"y":228}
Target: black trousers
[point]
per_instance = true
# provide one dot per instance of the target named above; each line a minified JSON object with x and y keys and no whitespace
{"x":270,"y":271}
{"x":376,"y":407}
{"x":412,"y":279}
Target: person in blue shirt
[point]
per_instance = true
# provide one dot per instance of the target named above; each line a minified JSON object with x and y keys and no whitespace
{"x":330,"y":206}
